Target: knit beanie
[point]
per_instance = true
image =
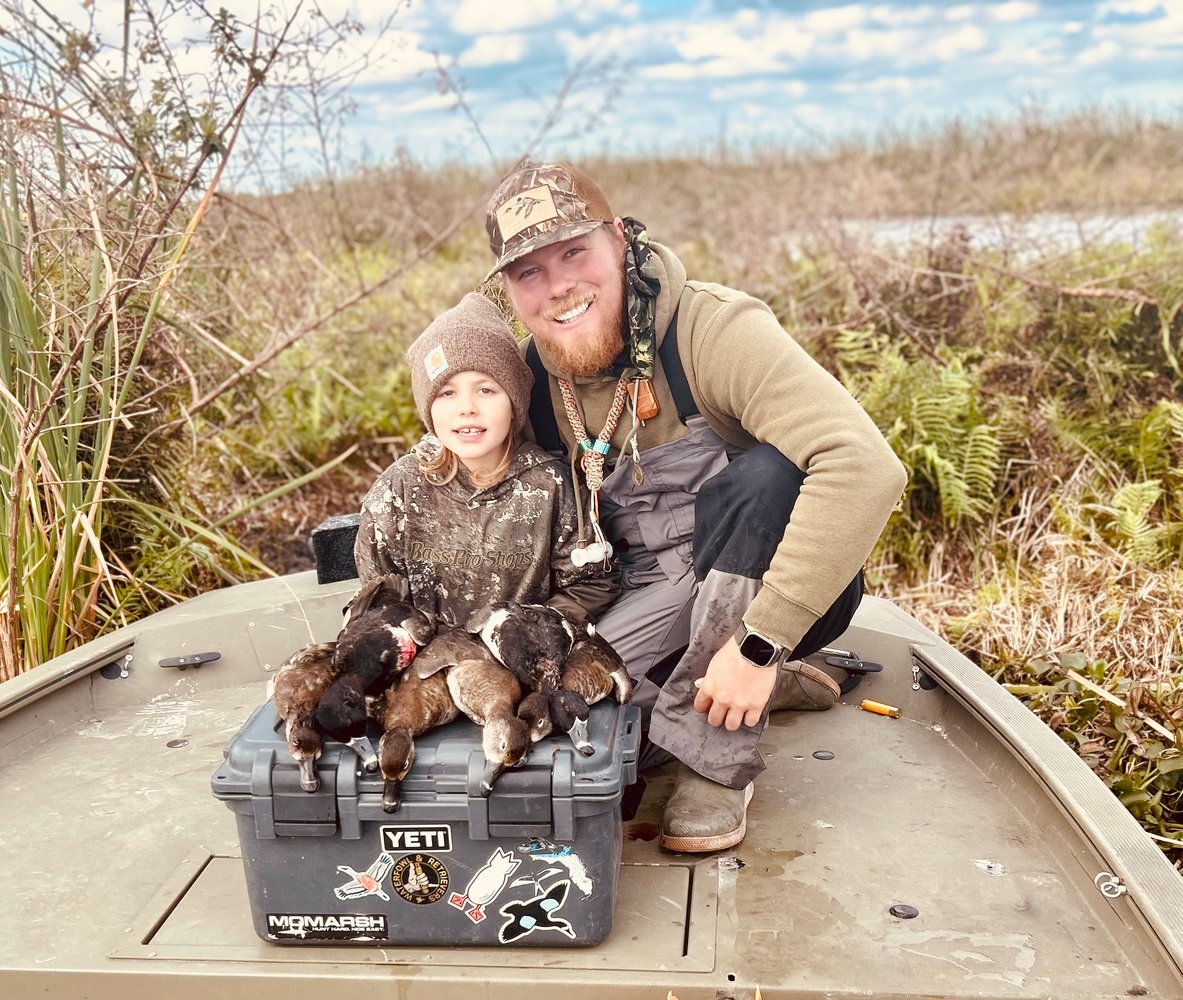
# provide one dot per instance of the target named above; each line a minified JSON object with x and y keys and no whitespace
{"x":471,"y":336}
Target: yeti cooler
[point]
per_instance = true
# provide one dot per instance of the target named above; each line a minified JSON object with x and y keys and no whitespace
{"x":536,"y":863}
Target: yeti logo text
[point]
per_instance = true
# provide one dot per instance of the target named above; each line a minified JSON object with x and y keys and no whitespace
{"x":408,"y":839}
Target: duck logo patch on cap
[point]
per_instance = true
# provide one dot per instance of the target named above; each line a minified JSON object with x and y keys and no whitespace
{"x":529,"y":208}
{"x":436,"y":362}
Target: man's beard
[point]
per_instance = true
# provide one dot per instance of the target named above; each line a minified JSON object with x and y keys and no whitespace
{"x":590,"y":353}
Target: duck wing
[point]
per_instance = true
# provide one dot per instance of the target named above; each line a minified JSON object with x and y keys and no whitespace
{"x":302,"y":679}
{"x":449,"y":647}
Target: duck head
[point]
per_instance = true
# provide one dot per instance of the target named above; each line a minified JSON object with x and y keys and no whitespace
{"x":305,"y":742}
{"x":396,"y":754}
{"x":534,"y":711}
{"x":342,"y":714}
{"x":506,"y":742}
{"x":570,"y":713}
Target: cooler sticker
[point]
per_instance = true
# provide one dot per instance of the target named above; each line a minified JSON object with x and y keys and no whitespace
{"x":485,"y":885}
{"x":537,"y":914}
{"x":434,"y":837}
{"x":544,"y":850}
{"x":419,"y":878}
{"x":327,"y":926}
{"x":367,"y":883}
{"x":436,"y":362}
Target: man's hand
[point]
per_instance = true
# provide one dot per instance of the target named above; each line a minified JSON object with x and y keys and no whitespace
{"x":734,"y":690}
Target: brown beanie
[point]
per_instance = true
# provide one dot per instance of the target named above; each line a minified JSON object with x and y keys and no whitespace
{"x":472,"y":336}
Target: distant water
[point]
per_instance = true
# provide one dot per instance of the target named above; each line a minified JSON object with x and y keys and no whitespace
{"x":1024,"y":235}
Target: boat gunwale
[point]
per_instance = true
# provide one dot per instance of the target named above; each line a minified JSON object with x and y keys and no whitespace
{"x":1152,"y":885}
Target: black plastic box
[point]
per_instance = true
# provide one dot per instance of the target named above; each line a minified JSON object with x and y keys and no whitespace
{"x":536,"y":863}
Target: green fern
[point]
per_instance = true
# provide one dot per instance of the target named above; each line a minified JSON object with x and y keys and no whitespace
{"x":1138,"y":535}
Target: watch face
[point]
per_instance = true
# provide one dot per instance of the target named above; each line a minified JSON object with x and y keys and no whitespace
{"x":760,"y":651}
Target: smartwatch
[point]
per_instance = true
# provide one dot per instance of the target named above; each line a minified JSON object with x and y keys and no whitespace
{"x":757,"y":648}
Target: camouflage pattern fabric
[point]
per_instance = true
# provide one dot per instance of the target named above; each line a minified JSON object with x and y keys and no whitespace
{"x":641,"y":288}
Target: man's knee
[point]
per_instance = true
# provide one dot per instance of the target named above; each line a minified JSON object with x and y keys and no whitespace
{"x":741,"y":513}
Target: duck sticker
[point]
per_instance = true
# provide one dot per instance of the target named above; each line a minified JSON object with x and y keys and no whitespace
{"x":485,"y":885}
{"x":544,"y":850}
{"x":367,"y":883}
{"x":537,"y":914}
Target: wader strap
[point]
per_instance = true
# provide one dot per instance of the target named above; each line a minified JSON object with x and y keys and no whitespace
{"x":675,"y":375}
{"x":542,"y":411}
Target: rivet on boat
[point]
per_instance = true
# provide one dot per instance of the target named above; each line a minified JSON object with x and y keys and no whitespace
{"x":824,"y":754}
{"x":904,"y":911}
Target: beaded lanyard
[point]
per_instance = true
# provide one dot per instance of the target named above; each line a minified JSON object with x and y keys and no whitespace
{"x":592,"y":458}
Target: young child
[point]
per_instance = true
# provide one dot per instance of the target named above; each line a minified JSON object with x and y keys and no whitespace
{"x":473,"y":515}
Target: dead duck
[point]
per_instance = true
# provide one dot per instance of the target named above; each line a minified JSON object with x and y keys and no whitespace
{"x":595,"y":669}
{"x":485,"y":691}
{"x":381,"y":634}
{"x":412,"y":706}
{"x":534,"y":641}
{"x":297,"y":687}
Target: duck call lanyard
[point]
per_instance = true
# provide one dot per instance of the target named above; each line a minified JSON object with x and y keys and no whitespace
{"x":592,"y":455}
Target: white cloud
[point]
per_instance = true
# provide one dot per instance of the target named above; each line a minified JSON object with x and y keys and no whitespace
{"x":864,"y":45}
{"x":967,"y":39}
{"x":709,"y":69}
{"x":962,"y":12}
{"x":621,"y":39}
{"x":1129,"y":7}
{"x":886,"y":85}
{"x":743,"y":45}
{"x":475,"y":17}
{"x":832,"y":20}
{"x":1098,"y":54}
{"x":430,"y":102}
{"x":1014,"y":11}
{"x":495,"y":50}
{"x":897,"y":16}
{"x":732,"y":93}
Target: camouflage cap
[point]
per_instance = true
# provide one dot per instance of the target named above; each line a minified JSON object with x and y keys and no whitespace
{"x":538,"y":204}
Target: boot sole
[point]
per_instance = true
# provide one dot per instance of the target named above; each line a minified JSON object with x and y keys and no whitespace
{"x":719,"y":842}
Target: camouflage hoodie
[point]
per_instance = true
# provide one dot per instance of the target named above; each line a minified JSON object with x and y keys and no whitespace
{"x":461,"y":547}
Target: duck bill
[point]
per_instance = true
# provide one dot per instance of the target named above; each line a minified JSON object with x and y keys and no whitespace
{"x":578,"y":734}
{"x":391,"y":795}
{"x":490,"y":775}
{"x":309,"y":779}
{"x":364,"y":749}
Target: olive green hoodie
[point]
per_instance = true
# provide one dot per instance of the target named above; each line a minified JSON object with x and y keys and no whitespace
{"x":754,"y":383}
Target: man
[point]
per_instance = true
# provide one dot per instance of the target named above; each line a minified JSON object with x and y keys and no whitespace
{"x":739,"y":485}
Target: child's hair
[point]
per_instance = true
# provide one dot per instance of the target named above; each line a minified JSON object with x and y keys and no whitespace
{"x":442,"y":467}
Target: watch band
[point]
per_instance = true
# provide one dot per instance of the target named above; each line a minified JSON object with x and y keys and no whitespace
{"x":758,"y":649}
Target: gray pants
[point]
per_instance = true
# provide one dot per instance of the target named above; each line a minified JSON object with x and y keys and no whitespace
{"x":740,"y":515}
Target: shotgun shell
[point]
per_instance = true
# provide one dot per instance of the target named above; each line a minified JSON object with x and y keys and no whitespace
{"x":880,"y":709}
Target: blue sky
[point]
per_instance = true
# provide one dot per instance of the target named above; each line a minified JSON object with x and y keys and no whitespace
{"x":687,"y":75}
{"x":659,"y":75}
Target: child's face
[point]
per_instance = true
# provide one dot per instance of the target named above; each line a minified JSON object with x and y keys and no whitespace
{"x":472,"y":417}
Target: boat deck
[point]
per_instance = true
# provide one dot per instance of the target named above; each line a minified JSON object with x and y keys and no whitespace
{"x":121,"y":873}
